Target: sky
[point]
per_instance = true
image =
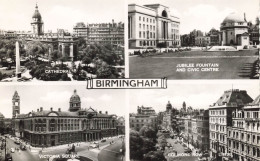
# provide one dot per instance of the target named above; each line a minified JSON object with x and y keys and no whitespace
{"x":205,"y":14}
{"x":59,"y":14}
{"x":198,"y":94}
{"x":32,"y":97}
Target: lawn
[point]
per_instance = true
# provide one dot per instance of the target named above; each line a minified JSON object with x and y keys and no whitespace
{"x":232,"y":65}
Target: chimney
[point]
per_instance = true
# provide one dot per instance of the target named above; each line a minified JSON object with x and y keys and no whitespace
{"x":59,"y":110}
{"x":106,"y":112}
{"x":40,"y":108}
{"x":51,"y":108}
{"x":245,"y":16}
{"x":100,"y":112}
{"x":37,"y":110}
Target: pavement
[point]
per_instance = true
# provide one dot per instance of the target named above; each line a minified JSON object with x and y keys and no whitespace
{"x":180,"y":151}
{"x":81,"y":148}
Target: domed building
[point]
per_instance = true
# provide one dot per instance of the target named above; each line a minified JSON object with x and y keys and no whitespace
{"x":49,"y":127}
{"x":234,"y":30}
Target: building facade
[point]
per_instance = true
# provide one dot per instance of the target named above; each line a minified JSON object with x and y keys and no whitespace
{"x":112,"y":33}
{"x":220,"y":118}
{"x":244,"y":134}
{"x":43,"y":128}
{"x":145,"y":116}
{"x":152,"y":25}
{"x":234,"y":30}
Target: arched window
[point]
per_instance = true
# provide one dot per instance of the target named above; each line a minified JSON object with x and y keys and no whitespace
{"x":164,"y":13}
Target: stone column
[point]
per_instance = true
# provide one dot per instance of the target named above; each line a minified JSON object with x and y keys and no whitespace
{"x":18,"y":70}
{"x":71,"y":51}
{"x":63,"y":49}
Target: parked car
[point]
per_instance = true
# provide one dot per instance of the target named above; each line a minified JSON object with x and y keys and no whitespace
{"x":103,"y":140}
{"x":12,"y":150}
{"x":187,"y":150}
{"x":93,"y":145}
{"x":22,"y":147}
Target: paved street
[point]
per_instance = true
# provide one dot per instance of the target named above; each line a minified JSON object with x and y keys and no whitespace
{"x":111,"y":153}
{"x":82,"y":149}
{"x":180,"y":150}
{"x":21,"y":155}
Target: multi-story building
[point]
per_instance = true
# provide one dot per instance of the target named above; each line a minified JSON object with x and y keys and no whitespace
{"x":244,"y":135}
{"x":50,"y":127}
{"x":112,"y":33}
{"x":145,"y":116}
{"x":254,"y":33}
{"x":202,"y":41}
{"x":80,"y":30}
{"x":220,"y":118}
{"x":203,"y":130}
{"x":120,"y":126}
{"x":152,"y":25}
{"x":169,"y":118}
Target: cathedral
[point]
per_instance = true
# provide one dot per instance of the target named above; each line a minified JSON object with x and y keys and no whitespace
{"x":49,"y":127}
{"x":62,"y":41}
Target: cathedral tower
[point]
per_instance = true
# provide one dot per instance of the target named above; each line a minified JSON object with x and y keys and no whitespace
{"x":37,"y":23}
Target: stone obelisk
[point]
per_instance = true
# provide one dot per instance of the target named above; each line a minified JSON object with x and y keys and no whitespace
{"x":18,"y":70}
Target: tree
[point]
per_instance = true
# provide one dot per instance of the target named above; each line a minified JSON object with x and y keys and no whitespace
{"x":148,"y":132}
{"x":136,"y":143}
{"x":154,"y":156}
{"x":86,"y":60}
{"x":104,"y":71}
{"x":148,"y":145}
{"x":162,"y":141}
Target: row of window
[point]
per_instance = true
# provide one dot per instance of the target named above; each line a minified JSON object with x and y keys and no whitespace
{"x":244,"y":148}
{"x":147,"y":19}
{"x":151,"y":35}
{"x":220,"y":120}
{"x":244,"y":137}
{"x":217,"y":112}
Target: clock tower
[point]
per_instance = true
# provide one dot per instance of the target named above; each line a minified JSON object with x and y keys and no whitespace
{"x":16,"y":104}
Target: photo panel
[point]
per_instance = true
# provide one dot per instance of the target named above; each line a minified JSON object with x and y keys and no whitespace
{"x":61,"y":41}
{"x":61,"y":123}
{"x":195,"y":121}
{"x":198,"y":39}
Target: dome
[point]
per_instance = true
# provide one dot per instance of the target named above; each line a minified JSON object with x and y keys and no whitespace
{"x":234,"y":17}
{"x":75,"y":97}
{"x":37,"y":13}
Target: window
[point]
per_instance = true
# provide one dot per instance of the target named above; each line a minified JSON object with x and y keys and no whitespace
{"x":140,"y":18}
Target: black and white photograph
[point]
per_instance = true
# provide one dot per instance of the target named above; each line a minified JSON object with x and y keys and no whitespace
{"x":69,"y":40}
{"x":196,"y":121}
{"x":61,"y":123}
{"x":193,"y":39}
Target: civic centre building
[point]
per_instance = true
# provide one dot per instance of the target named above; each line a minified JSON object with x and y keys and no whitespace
{"x":152,"y":25}
{"x":49,"y":127}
